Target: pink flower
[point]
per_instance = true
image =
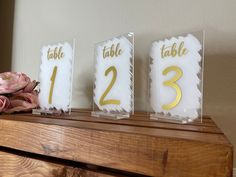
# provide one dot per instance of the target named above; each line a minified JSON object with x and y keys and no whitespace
{"x":11,"y":82}
{"x":4,"y":103}
{"x":23,"y":102}
{"x":17,"y":92}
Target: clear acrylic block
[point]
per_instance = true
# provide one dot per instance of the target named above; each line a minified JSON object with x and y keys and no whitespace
{"x":56,"y":77}
{"x":114,"y":77}
{"x":176,"y":78}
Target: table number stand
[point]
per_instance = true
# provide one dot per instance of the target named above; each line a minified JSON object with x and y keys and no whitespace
{"x":176,"y":78}
{"x":114,"y":77}
{"x":56,"y":78}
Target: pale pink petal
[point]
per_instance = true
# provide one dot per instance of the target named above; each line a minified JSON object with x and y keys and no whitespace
{"x":23,"y":102}
{"x":30,"y":87}
{"x":4,"y":103}
{"x":11,"y":82}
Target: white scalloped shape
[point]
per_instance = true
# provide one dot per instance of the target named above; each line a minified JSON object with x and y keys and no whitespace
{"x":61,"y":96}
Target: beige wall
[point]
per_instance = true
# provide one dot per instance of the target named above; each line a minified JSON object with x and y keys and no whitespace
{"x":90,"y":21}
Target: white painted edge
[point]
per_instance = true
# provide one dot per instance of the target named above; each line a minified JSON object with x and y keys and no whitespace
{"x":234,"y":172}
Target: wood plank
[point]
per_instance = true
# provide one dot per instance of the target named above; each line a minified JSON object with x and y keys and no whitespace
{"x":144,"y":116}
{"x":140,"y":150}
{"x":168,"y":133}
{"x":143,"y":119}
{"x":132,"y":122}
{"x":138,"y":116}
{"x":13,"y":165}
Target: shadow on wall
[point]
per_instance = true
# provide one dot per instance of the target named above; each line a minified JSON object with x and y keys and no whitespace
{"x":140,"y":84}
{"x":219,"y":82}
{"x":220,"y":93}
{"x":6,"y":32}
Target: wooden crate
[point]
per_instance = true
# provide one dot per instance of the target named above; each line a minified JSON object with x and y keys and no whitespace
{"x":132,"y":147}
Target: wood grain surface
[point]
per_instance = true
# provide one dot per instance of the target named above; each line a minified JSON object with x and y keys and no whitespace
{"x":136,"y":145}
{"x":17,"y":166}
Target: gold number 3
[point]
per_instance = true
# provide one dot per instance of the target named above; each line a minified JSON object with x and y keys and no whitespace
{"x":53,"y":77}
{"x":102,"y":99}
{"x":172,"y":83}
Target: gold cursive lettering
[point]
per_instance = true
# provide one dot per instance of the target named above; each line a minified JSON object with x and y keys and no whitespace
{"x":55,"y":53}
{"x":113,"y":51}
{"x":173,"y":50}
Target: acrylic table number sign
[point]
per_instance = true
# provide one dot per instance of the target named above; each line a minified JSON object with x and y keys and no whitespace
{"x":56,"y":71}
{"x":176,"y":78}
{"x":113,"y":85}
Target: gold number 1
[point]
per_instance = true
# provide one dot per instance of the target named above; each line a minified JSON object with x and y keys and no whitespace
{"x":172,"y":83}
{"x":53,"y":77}
{"x":105,"y":102}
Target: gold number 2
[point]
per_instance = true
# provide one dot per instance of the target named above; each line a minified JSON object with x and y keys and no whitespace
{"x":105,"y":102}
{"x":172,"y":83}
{"x":53,"y":77}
